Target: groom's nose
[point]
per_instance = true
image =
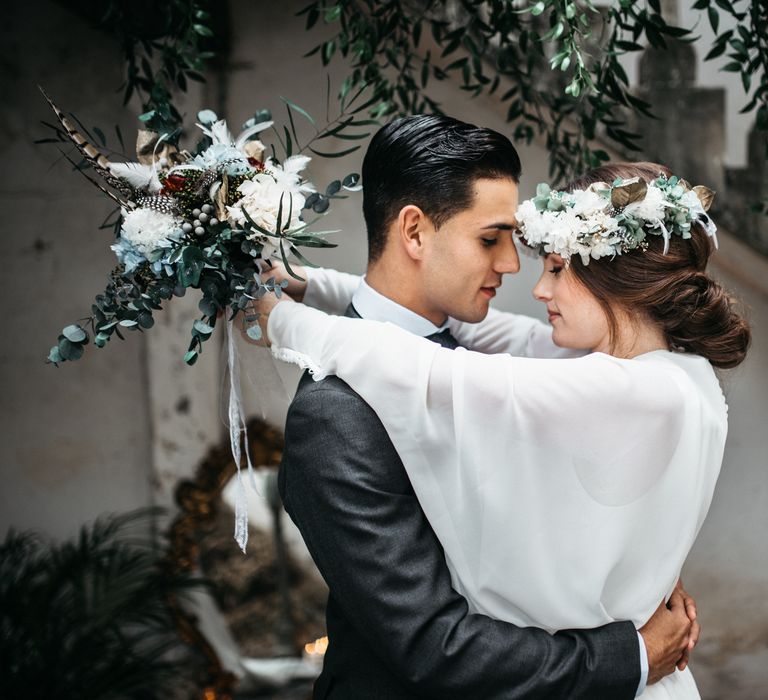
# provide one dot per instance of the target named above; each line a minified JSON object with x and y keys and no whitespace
{"x":506,"y":261}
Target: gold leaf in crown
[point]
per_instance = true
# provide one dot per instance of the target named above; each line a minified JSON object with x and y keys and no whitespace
{"x":627,"y":192}
{"x":705,"y":196}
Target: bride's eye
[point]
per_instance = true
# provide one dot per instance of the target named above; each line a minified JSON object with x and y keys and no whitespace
{"x":555,"y":270}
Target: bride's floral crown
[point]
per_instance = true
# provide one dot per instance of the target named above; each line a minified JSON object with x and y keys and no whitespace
{"x":608,"y":220}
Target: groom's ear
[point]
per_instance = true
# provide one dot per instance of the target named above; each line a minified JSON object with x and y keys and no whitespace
{"x":413,"y":227}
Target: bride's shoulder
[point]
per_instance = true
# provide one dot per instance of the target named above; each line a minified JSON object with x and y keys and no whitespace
{"x":668,"y":380}
{"x":651,"y":379}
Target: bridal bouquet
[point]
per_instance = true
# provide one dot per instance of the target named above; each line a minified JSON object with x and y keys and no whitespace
{"x":210,"y":219}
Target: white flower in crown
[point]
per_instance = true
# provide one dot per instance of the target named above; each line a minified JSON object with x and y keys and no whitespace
{"x":651,"y":207}
{"x":147,"y":229}
{"x":608,"y":220}
{"x":534,"y":223}
{"x":564,"y":228}
{"x":600,"y":249}
{"x":587,"y":203}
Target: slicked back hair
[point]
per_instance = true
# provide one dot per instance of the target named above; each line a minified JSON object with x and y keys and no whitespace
{"x":432,"y":162}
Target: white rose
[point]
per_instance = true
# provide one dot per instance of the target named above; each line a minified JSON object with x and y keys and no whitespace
{"x":262,"y":198}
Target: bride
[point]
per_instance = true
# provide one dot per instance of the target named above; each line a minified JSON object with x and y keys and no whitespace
{"x":553,"y":484}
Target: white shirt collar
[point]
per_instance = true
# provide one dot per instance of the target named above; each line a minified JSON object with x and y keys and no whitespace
{"x":374,"y":306}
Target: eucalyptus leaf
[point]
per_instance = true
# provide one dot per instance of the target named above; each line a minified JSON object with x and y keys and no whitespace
{"x":54,"y":355}
{"x":208,"y":306}
{"x":70,"y":351}
{"x":75,"y":334}
{"x":351,"y":182}
{"x":145,"y":320}
{"x":254,"y":332}
{"x":202,"y":328}
{"x":321,"y":205}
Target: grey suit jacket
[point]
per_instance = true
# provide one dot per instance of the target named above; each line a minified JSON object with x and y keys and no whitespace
{"x":397,"y":628}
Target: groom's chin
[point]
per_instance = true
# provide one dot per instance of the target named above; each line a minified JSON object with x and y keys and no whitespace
{"x":471,"y":315}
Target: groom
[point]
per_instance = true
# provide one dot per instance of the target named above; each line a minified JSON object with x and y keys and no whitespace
{"x":439,"y":204}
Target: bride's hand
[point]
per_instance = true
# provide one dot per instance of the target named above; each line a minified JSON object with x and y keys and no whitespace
{"x":264,"y":307}
{"x":296,"y":288}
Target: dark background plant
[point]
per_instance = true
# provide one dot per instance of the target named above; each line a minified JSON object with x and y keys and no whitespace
{"x":166,"y":46}
{"x":559,"y":60}
{"x":89,"y":618}
{"x":555,"y":64}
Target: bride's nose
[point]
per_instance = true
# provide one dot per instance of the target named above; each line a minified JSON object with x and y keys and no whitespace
{"x":541,"y":290}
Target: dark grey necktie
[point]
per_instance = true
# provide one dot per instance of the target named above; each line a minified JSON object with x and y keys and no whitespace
{"x":442,"y":337}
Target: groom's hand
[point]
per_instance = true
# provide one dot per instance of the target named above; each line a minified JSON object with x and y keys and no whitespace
{"x":690,"y":609}
{"x":667,"y":636}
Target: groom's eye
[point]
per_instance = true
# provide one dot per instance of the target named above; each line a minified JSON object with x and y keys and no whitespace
{"x":488,"y":242}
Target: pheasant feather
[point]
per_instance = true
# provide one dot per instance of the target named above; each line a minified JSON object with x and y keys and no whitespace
{"x":93,"y":155}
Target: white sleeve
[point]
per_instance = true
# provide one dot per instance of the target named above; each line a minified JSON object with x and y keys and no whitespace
{"x":512,"y":334}
{"x":330,"y":290}
{"x":467,"y":403}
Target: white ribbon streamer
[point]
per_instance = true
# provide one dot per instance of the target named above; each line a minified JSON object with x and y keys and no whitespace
{"x":237,"y":428}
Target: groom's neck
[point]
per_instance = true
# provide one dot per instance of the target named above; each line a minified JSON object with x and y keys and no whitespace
{"x":402,"y":284}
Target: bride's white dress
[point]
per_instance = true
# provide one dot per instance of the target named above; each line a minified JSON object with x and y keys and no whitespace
{"x":566,"y":493}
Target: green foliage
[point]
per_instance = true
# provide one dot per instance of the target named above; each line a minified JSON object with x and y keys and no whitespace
{"x":89,"y":619}
{"x":554,"y":63}
{"x":743,"y":50}
{"x":166,"y":45}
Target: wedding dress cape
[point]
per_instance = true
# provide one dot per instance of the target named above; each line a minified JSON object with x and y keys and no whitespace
{"x":566,"y":493}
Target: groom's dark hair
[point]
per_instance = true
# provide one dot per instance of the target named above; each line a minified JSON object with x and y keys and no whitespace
{"x":431,"y":161}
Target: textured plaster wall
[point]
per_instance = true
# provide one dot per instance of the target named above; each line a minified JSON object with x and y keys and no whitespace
{"x":76,"y":440}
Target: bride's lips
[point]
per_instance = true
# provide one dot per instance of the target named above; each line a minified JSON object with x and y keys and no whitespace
{"x":552,"y":315}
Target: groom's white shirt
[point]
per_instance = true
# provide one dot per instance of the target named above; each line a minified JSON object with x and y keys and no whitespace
{"x":374,"y":306}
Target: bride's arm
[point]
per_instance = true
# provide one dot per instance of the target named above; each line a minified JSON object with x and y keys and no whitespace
{"x":424,"y":393}
{"x":324,"y":288}
{"x":509,"y":333}
{"x":330,"y":290}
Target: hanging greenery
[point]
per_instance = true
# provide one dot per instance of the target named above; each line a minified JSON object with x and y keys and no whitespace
{"x":556,"y":64}
{"x":166,"y":45}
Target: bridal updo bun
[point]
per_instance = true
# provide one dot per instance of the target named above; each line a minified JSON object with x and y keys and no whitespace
{"x":696,"y":314}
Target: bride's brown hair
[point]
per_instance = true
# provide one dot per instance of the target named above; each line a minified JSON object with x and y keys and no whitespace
{"x":673,"y":290}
